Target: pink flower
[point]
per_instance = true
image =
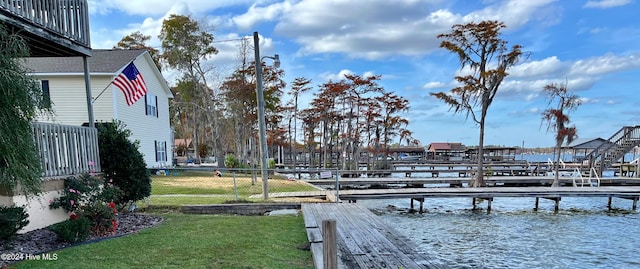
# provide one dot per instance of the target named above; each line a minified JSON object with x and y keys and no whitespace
{"x":91,"y":163}
{"x":72,"y":202}
{"x":50,"y":201}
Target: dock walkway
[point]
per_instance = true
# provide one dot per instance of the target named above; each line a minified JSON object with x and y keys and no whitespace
{"x":364,"y":240}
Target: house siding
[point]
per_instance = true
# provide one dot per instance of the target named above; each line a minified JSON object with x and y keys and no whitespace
{"x":70,"y":107}
{"x":147,"y":128}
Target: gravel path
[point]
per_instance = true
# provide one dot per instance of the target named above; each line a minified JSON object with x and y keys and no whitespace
{"x":43,"y":240}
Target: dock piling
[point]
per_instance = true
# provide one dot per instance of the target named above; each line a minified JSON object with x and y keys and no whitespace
{"x":329,"y":244}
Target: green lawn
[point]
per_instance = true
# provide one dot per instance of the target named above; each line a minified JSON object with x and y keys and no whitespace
{"x":196,"y":241}
{"x":206,"y":183}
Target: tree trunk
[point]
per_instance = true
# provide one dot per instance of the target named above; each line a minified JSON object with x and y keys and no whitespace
{"x":479,"y":180}
{"x":556,"y":177}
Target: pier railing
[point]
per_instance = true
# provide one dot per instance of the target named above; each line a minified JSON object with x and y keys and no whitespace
{"x":66,"y":150}
{"x":66,"y":18}
{"x":616,"y":146}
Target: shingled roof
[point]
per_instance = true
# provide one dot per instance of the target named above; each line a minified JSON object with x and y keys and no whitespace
{"x":102,"y":61}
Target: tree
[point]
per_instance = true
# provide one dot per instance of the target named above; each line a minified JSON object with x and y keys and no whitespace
{"x":299,"y":85}
{"x":21,"y":101}
{"x":138,"y":41}
{"x":185,"y":47}
{"x":478,"y":47}
{"x":557,"y":118}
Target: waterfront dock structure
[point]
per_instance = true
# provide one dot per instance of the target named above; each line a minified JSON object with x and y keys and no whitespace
{"x":441,"y":169}
{"x":506,"y":181}
{"x":485,"y":193}
{"x":363,"y":240}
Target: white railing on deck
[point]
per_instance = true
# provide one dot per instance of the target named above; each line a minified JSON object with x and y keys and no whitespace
{"x":577,"y":174}
{"x":66,"y":149}
{"x":69,"y":18}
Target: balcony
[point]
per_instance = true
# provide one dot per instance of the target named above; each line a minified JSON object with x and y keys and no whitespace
{"x":50,"y":27}
{"x":66,"y":149}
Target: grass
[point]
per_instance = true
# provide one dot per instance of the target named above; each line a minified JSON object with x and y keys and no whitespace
{"x":206,"y":183}
{"x":191,"y":200}
{"x":196,"y":241}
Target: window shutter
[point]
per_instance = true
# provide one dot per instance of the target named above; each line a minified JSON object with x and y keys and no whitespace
{"x":157,"y":110}
{"x":155,"y":143}
{"x":165,"y":150}
{"x":46,"y":94}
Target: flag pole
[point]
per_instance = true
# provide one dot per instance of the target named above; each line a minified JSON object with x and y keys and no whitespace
{"x":105,"y":88}
{"x":117,"y":72}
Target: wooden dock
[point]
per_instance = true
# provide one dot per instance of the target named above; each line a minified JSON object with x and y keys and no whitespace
{"x":486,"y":193}
{"x":491,"y":181}
{"x":363,"y":239}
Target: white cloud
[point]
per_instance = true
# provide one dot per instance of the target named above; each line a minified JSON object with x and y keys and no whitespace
{"x":336,"y":77}
{"x":548,"y":66}
{"x":434,"y":85}
{"x":587,"y":100}
{"x":606,"y":3}
{"x":383,"y":29}
{"x":257,"y":14}
{"x":514,"y":13}
{"x":157,"y":7}
{"x":605,"y":64}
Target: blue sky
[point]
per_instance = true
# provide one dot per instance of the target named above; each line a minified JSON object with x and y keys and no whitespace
{"x":593,"y":45}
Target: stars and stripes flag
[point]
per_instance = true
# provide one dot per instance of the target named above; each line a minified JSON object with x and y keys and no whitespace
{"x":131,"y":83}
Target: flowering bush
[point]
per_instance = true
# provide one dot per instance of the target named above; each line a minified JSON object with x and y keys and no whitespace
{"x":86,"y":198}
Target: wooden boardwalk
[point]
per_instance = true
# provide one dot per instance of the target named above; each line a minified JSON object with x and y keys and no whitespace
{"x":364,"y":240}
{"x":487,"y":193}
{"x":491,"y":181}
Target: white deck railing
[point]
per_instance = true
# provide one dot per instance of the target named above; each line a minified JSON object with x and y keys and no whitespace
{"x":69,"y":18}
{"x":66,"y":149}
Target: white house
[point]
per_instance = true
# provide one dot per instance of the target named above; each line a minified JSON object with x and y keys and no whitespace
{"x":62,"y":80}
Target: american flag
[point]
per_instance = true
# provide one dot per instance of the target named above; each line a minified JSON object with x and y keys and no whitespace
{"x":131,"y":83}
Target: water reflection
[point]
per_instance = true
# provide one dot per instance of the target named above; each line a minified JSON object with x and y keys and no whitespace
{"x":584,"y":234}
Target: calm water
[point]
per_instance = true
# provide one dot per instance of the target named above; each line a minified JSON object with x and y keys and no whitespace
{"x":584,"y":234}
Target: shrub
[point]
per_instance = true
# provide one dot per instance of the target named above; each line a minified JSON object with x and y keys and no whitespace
{"x":75,"y":229}
{"x":102,"y":218}
{"x":90,"y":199}
{"x":12,"y":219}
{"x":84,"y":190}
{"x":122,"y":163}
{"x":272,"y":163}
{"x":231,"y":161}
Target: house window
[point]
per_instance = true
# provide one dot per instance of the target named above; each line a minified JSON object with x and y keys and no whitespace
{"x":151,"y":105}
{"x":46,"y":95}
{"x":161,"y":151}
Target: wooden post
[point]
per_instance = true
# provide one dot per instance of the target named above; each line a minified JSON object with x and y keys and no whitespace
{"x":557,"y":208}
{"x":489,"y":200}
{"x":411,"y":203}
{"x":537,"y":202}
{"x":329,"y":244}
{"x":635,"y":203}
{"x":421,"y":204}
{"x":473,"y":202}
{"x":609,"y":204}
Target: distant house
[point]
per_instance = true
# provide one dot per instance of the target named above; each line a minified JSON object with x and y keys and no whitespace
{"x":63,"y":82}
{"x":183,"y":146}
{"x":583,"y":146}
{"x":446,"y":151}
